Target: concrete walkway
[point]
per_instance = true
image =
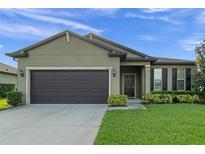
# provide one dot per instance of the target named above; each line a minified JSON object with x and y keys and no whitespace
{"x":132,"y":104}
{"x":51,"y":124}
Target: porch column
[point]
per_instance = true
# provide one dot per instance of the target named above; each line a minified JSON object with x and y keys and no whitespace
{"x":147,"y":79}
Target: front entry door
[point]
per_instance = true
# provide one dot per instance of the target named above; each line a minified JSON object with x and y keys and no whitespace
{"x":129,"y":85}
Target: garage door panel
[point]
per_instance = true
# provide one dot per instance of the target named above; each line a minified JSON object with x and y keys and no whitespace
{"x":80,"y":93}
{"x":64,"y":89}
{"x":100,"y":90}
{"x":69,"y":86}
{"x":64,"y":86}
{"x":64,"y":100}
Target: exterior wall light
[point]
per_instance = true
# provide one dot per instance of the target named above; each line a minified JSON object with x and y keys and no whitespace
{"x":114,"y":73}
{"x":21,"y":73}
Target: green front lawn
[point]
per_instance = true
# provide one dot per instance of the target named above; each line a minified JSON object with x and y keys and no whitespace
{"x":159,"y":124}
{"x":3,"y":104}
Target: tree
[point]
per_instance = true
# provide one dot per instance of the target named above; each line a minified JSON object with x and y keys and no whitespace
{"x":199,"y":78}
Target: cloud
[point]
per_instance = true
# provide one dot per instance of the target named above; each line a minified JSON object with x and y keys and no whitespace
{"x":25,"y":31}
{"x":200,"y":19}
{"x":156,"y":10}
{"x":54,"y":20}
{"x":133,"y":15}
{"x":147,"y":37}
{"x":105,"y":11}
{"x":149,"y":17}
{"x":1,"y":46}
{"x":79,"y":13}
{"x":65,"y":13}
{"x":169,"y":20}
{"x":190,"y":43}
{"x":72,"y":24}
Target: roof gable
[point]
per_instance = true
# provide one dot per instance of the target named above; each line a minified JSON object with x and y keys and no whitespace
{"x":131,"y":52}
{"x":24,"y":51}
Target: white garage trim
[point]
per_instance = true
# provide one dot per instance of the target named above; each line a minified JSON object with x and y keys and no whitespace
{"x":29,"y":69}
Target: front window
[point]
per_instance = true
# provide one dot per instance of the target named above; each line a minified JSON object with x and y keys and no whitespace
{"x":157,"y":79}
{"x":180,"y":79}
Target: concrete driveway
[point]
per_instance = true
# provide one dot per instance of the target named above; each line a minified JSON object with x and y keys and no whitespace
{"x":51,"y":124}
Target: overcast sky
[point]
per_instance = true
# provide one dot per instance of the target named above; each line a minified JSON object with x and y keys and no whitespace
{"x":172,"y":33}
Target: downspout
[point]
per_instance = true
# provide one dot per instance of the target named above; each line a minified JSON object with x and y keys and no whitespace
{"x":17,"y":73}
{"x":15,"y":59}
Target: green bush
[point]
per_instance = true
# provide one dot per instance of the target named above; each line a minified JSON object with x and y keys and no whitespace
{"x":118,"y":100}
{"x":176,"y":97}
{"x":5,"y":88}
{"x":187,"y":98}
{"x":158,"y":98}
{"x":14,"y":98}
{"x":196,"y":98}
{"x":174,"y":92}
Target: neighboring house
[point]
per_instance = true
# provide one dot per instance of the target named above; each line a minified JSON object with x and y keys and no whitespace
{"x":8,"y":74}
{"x":70,"y":68}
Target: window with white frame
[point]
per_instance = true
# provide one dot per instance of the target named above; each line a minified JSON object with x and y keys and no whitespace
{"x":180,"y":79}
{"x":157,"y":79}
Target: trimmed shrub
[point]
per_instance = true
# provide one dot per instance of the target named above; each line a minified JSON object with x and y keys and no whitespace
{"x":118,"y":100}
{"x":5,"y":88}
{"x":187,"y":98}
{"x":184,"y":98}
{"x":174,"y":92}
{"x":176,"y":97}
{"x":14,"y":98}
{"x":196,"y":98}
{"x":158,"y":98}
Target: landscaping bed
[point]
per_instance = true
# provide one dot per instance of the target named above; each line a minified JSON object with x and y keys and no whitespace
{"x":159,"y":124}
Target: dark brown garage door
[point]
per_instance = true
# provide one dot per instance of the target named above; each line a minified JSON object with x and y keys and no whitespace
{"x":69,"y":87}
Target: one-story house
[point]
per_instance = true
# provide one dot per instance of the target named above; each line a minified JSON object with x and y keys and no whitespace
{"x":71,"y":68}
{"x":8,"y":75}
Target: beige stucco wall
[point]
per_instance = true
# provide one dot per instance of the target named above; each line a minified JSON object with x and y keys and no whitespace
{"x":75,"y":53}
{"x":169,"y":67}
{"x":129,"y":54}
{"x":6,"y":78}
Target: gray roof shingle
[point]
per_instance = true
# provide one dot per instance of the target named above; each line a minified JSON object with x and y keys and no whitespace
{"x":161,"y":60}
